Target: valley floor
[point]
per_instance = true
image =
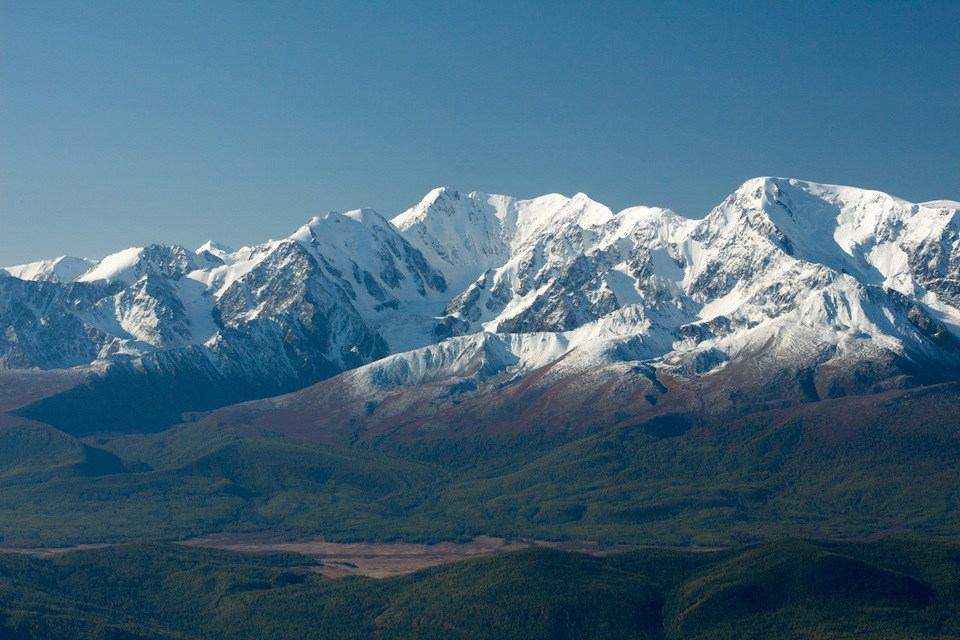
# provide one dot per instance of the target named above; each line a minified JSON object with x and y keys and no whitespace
{"x":375,"y":559}
{"x":384,"y":559}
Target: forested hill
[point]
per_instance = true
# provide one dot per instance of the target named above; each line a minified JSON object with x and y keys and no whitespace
{"x":785,"y":589}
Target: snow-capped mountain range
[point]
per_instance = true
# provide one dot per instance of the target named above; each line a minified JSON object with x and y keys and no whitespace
{"x":857,"y":288}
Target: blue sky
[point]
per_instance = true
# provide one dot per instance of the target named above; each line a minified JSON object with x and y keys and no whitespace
{"x":126,"y":123}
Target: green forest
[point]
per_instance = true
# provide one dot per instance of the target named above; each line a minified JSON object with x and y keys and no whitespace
{"x":742,"y":481}
{"x":778,"y":493}
{"x":785,"y":589}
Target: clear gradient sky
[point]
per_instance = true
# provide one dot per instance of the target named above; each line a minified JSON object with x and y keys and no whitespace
{"x":131,"y":122}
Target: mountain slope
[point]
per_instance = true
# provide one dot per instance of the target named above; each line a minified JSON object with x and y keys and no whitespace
{"x":786,"y":292}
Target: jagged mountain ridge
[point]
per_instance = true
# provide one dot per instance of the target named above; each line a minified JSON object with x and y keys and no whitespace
{"x":856,"y":287}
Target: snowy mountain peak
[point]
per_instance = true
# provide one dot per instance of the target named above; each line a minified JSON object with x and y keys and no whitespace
{"x":793,"y":271}
{"x":130,"y":265}
{"x":463,"y":235}
{"x":438,"y":203}
{"x":62,"y":269}
{"x":217,"y":249}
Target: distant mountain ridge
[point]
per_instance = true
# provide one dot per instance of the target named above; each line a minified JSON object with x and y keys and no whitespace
{"x":790,"y":291}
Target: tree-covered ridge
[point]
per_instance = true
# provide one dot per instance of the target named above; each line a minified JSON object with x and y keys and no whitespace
{"x":785,"y":589}
{"x":832,"y":472}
